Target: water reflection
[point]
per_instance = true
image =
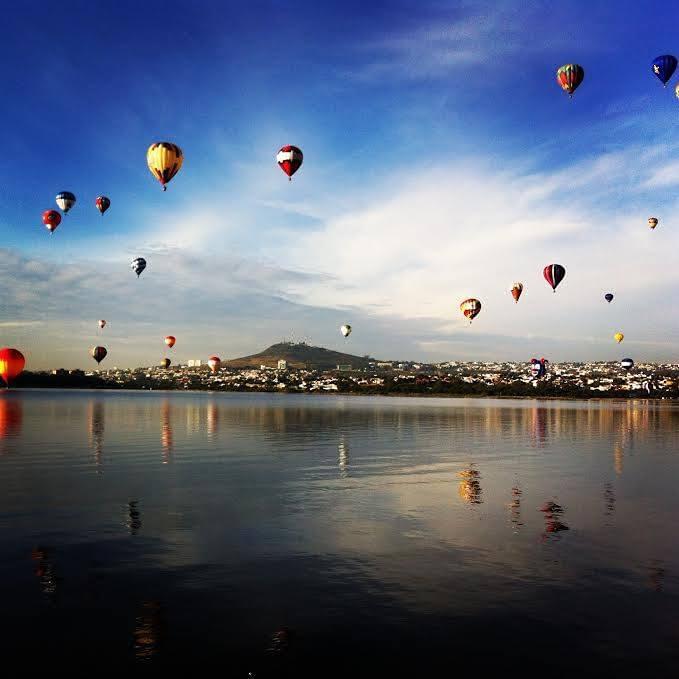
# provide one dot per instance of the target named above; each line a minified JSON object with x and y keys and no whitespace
{"x":212,"y":420}
{"x":553,"y":514}
{"x":469,"y":488}
{"x":656,"y":575}
{"x":343,"y":457}
{"x":95,"y":418}
{"x":148,"y":631}
{"x":166,"y":439}
{"x":133,"y":521}
{"x":11,"y":416}
{"x":515,"y":509}
{"x":44,"y":571}
{"x":609,"y":499}
{"x":618,"y":458}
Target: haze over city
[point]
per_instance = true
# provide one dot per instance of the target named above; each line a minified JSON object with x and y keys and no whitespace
{"x":441,"y":161}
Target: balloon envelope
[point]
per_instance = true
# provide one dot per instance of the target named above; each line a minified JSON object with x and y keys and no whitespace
{"x":290,"y":159}
{"x":471,"y":308}
{"x":103,"y":203}
{"x":618,"y":337}
{"x":627,"y":363}
{"x":664,"y":66}
{"x":170,"y":341}
{"x":165,"y":363}
{"x":214,"y":362}
{"x":164,"y":160}
{"x":12,"y":363}
{"x":138,"y":265}
{"x":652,"y":222}
{"x":554,"y":274}
{"x":516,"y":290}
{"x":65,"y":200}
{"x":345,"y":330}
{"x":99,"y":354}
{"x":569,"y":76}
{"x":51,"y":219}
{"x":608,"y":297}
{"x":102,"y":323}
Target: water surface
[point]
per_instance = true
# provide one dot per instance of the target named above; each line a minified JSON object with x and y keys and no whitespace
{"x":322,"y":535}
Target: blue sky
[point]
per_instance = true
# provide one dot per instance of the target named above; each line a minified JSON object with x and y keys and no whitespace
{"x":442,"y":161}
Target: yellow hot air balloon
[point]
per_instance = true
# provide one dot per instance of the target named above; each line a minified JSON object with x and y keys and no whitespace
{"x":618,"y":337}
{"x":652,"y":222}
{"x":164,"y":160}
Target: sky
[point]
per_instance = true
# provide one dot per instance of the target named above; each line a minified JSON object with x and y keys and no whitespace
{"x":441,"y":161}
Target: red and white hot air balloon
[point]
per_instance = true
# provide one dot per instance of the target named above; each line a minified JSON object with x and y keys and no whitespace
{"x":214,"y":362}
{"x":170,"y":341}
{"x":102,"y":324}
{"x":471,"y":308}
{"x":51,"y":219}
{"x":289,"y":159}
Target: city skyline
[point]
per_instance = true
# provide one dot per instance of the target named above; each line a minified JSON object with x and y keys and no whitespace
{"x":441,"y":161}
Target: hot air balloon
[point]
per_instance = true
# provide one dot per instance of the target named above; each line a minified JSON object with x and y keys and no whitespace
{"x":627,"y":363}
{"x":165,"y":363}
{"x":618,"y":337}
{"x":345,"y":330}
{"x":516,"y":290}
{"x":99,"y":354}
{"x":12,"y":364}
{"x":102,"y":324}
{"x":470,"y":308}
{"x":103,"y":203}
{"x":554,"y":274}
{"x":609,"y":297}
{"x":170,"y":341}
{"x":652,"y":222}
{"x":289,"y":159}
{"x":65,"y":201}
{"x":138,"y":265}
{"x":535,"y":367}
{"x":164,"y":160}
{"x":664,"y":66}
{"x":214,"y":362}
{"x":51,"y":219}
{"x":569,"y":77}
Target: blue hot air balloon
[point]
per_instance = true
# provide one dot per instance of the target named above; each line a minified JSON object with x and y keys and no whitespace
{"x":608,"y":297}
{"x":664,"y":66}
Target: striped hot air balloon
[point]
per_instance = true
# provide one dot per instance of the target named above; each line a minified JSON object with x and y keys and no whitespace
{"x":164,"y":160}
{"x":569,"y":77}
{"x":664,"y":67}
{"x":554,"y":274}
{"x":627,"y":363}
{"x":471,"y":308}
{"x":65,"y":201}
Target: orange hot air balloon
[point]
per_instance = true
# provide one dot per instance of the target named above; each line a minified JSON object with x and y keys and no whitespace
{"x":12,"y":364}
{"x":214,"y":362}
{"x":170,"y":341}
{"x":517,"y":289}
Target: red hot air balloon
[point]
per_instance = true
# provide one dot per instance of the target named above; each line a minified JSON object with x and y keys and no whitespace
{"x":99,"y":354}
{"x":517,"y":289}
{"x":471,"y":308}
{"x":214,"y":362}
{"x":51,"y":219}
{"x":170,"y":341}
{"x":290,"y":158}
{"x":12,"y":364}
{"x":554,"y":274}
{"x":11,"y":414}
{"x":103,"y":203}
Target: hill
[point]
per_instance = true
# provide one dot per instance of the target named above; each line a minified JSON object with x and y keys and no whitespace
{"x":299,"y":355}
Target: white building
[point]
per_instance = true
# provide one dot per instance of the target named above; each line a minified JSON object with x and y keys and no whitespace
{"x":282,"y":365}
{"x":195,"y":363}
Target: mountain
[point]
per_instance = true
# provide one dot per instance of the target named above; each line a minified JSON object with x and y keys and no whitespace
{"x":299,"y":355}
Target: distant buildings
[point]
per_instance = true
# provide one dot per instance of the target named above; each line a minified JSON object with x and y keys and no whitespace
{"x":195,"y":363}
{"x":282,"y":365}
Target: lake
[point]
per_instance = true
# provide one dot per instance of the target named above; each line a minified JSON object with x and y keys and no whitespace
{"x":283,"y":535}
